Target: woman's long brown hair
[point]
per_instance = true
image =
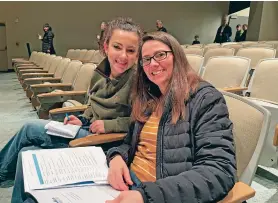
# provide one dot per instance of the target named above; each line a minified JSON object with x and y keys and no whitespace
{"x":147,"y":96}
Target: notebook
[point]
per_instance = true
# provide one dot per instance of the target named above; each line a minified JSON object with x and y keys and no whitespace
{"x":67,"y":175}
{"x":60,"y":129}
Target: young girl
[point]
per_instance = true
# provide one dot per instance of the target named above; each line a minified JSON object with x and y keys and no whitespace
{"x":109,"y":105}
{"x":180,"y":147}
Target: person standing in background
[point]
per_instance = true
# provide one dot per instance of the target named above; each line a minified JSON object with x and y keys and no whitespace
{"x":47,"y":40}
{"x":243,"y":36}
{"x":239,"y":32}
{"x":196,"y":40}
{"x":103,"y":27}
{"x":160,"y":27}
{"x":224,"y":32}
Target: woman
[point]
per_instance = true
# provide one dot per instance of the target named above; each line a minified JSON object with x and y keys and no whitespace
{"x":180,"y":145}
{"x":109,"y":106}
{"x":47,"y":40}
{"x":100,"y":37}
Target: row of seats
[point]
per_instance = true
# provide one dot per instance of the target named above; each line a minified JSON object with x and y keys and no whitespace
{"x":85,"y":56}
{"x":254,"y":53}
{"x":53,"y":81}
{"x":269,"y":44}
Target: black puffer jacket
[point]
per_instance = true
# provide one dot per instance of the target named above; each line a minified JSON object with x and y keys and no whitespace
{"x":195,"y":157}
{"x":47,"y":42}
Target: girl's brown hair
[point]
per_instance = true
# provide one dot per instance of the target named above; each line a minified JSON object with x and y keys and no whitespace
{"x":126,"y":24}
{"x":147,"y":96}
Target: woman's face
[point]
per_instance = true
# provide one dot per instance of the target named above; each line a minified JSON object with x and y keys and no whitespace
{"x":45,"y":29}
{"x":122,"y":51}
{"x":158,"y":63}
{"x":102,"y":26}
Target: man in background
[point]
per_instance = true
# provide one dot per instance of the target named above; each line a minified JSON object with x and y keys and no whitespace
{"x":243,"y":36}
{"x":224,"y":32}
{"x":239,"y":32}
{"x":160,"y":27}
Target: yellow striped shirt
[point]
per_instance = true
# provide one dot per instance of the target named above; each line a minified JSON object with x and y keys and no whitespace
{"x":144,"y":162}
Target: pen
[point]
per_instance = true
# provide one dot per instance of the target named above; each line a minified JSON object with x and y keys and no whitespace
{"x":68,"y":117}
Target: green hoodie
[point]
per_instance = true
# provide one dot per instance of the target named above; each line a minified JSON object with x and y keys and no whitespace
{"x":109,"y":99}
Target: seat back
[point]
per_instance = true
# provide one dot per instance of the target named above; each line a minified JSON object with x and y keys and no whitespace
{"x":71,"y":71}
{"x":195,"y":46}
{"x":54,"y":64}
{"x":224,"y":71}
{"x":196,"y":62}
{"x":76,"y":54}
{"x":264,"y":80}
{"x":248,"y":43}
{"x":212,"y":45}
{"x":256,"y":54}
{"x":234,"y":46}
{"x":33,"y":56}
{"x":250,"y":127}
{"x":61,"y":67}
{"x":82,"y":54}
{"x":194,"y":50}
{"x":83,"y":78}
{"x":39,"y":58}
{"x":97,"y":57}
{"x":47,"y":63}
{"x":70,"y":53}
{"x":262,"y":45}
{"x":218,"y":51}
{"x":89,"y":55}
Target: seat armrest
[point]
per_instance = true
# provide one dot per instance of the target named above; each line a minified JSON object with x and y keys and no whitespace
{"x":32,"y":71}
{"x":51,"y":85}
{"x":95,"y":139}
{"x":39,"y":74}
{"x":275,"y":139}
{"x":46,"y":79}
{"x":234,"y":89}
{"x":86,"y":61}
{"x":61,"y":94}
{"x":240,"y":193}
{"x":29,"y":67}
{"x":68,"y":109}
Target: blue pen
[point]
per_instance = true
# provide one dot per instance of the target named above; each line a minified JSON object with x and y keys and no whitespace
{"x":68,"y":117}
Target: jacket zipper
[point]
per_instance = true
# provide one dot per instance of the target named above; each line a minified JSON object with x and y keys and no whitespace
{"x":160,"y":142}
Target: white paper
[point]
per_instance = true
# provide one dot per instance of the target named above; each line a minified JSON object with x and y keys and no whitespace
{"x":60,"y":129}
{"x":95,"y":194}
{"x":50,"y":168}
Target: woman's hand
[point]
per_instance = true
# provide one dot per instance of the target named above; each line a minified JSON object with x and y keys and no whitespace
{"x":97,"y":127}
{"x":118,"y":174}
{"x":72,"y":120}
{"x":128,"y":197}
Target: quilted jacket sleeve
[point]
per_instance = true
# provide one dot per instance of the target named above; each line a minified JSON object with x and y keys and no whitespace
{"x":213,"y":173}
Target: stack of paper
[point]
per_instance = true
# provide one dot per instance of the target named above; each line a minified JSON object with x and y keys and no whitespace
{"x":60,"y":129}
{"x":67,"y":175}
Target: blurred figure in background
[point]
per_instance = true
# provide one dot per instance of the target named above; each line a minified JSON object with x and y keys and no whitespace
{"x":224,"y":32}
{"x":47,"y":39}
{"x":160,"y":27}
{"x":239,"y":32}
{"x":103,"y":27}
{"x":196,"y":40}
{"x":243,"y":36}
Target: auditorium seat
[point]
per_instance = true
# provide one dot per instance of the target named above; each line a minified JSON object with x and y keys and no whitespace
{"x":77,"y":91}
{"x":226,"y":71}
{"x":196,"y":62}
{"x":218,"y":51}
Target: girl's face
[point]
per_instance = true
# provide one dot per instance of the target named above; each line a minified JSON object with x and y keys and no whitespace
{"x":122,"y":51}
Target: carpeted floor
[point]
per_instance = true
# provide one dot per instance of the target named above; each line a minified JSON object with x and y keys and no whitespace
{"x":15,"y":110}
